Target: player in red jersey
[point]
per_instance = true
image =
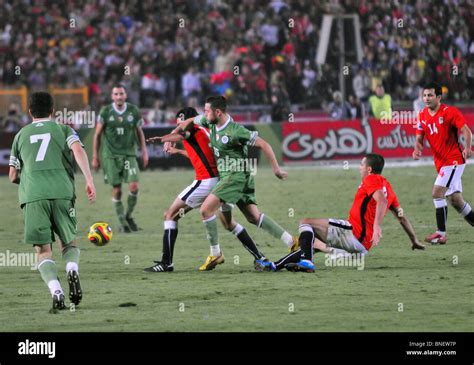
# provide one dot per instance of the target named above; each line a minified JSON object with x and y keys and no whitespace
{"x":441,"y":125}
{"x":196,"y":144}
{"x":357,"y":234}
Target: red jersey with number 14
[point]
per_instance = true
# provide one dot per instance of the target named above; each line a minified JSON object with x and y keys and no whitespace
{"x":200,"y":153}
{"x":362,"y":213}
{"x":441,"y":131}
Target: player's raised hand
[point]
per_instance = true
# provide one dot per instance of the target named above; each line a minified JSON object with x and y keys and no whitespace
{"x":153,"y":139}
{"x":167,"y":146}
{"x":90,"y":190}
{"x":281,"y":174}
{"x":417,"y":245}
{"x":377,"y":235}
{"x":416,"y":154}
{"x":172,"y":150}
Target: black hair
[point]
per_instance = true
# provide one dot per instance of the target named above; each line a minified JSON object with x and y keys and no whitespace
{"x":432,"y":85}
{"x":119,"y":86}
{"x":41,"y":104}
{"x":377,"y":162}
{"x":186,"y":113}
{"x":217,"y":102}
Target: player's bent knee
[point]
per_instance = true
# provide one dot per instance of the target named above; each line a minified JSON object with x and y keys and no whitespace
{"x":133,"y":188}
{"x":252,"y":219}
{"x":305,"y":227}
{"x":117,"y":192}
{"x":205,"y":212}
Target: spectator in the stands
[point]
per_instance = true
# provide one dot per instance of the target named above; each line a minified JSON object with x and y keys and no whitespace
{"x":418,"y":103}
{"x":381,"y":104}
{"x":9,"y":76}
{"x":361,"y":85}
{"x":191,"y":87}
{"x":14,"y":120}
{"x":280,"y":104}
{"x":110,"y":35}
{"x":159,"y":114}
{"x":338,"y":109}
{"x":309,"y":79}
{"x":356,"y":108}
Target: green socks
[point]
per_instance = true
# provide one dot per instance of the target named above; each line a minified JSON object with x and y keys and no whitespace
{"x":272,"y":227}
{"x":120,"y":211}
{"x":48,"y":270}
{"x":211,"y":227}
{"x":131,"y":202}
{"x":71,"y":256}
{"x":49,"y":274}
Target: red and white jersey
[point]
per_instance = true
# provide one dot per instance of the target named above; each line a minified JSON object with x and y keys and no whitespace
{"x":200,"y":153}
{"x":362,"y":213}
{"x":441,"y":131}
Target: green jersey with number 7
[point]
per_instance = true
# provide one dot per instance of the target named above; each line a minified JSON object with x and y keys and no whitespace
{"x":41,"y":151}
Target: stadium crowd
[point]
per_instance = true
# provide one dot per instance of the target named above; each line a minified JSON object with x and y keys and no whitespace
{"x":180,"y":51}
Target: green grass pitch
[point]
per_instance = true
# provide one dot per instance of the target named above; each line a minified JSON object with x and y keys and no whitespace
{"x":398,"y":290}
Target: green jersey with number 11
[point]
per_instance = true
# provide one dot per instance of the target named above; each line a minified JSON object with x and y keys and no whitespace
{"x":41,"y":151}
{"x":120,"y":130}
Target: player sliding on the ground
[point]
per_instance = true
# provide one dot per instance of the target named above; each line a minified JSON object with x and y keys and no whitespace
{"x":120,"y":125}
{"x":41,"y":162}
{"x":356,"y":235}
{"x":230,"y":142}
{"x":197,"y":149}
{"x":441,"y":124}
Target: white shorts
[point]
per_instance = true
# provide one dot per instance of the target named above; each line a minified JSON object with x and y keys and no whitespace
{"x":340,"y":236}
{"x":195,"y":194}
{"x":450,"y":177}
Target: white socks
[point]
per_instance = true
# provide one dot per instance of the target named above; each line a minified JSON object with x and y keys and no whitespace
{"x":72,"y":266}
{"x":54,"y":286}
{"x":287,"y":239}
{"x":215,"y":250}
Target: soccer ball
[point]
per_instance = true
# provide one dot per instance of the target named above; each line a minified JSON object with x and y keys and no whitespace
{"x":100,"y":234}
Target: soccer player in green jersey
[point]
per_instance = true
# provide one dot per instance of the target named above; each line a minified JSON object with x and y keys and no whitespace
{"x":230,"y":142}
{"x":120,"y":125}
{"x":41,"y":163}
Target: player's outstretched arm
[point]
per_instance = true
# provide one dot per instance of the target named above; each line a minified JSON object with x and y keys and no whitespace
{"x":184,"y":125}
{"x":418,"y":147}
{"x":172,"y":137}
{"x":141,"y":137}
{"x":466,"y":132}
{"x":13,"y":175}
{"x":380,"y":210}
{"x":83,"y":163}
{"x":407,"y":227}
{"x":270,"y":155}
{"x":96,"y":146}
